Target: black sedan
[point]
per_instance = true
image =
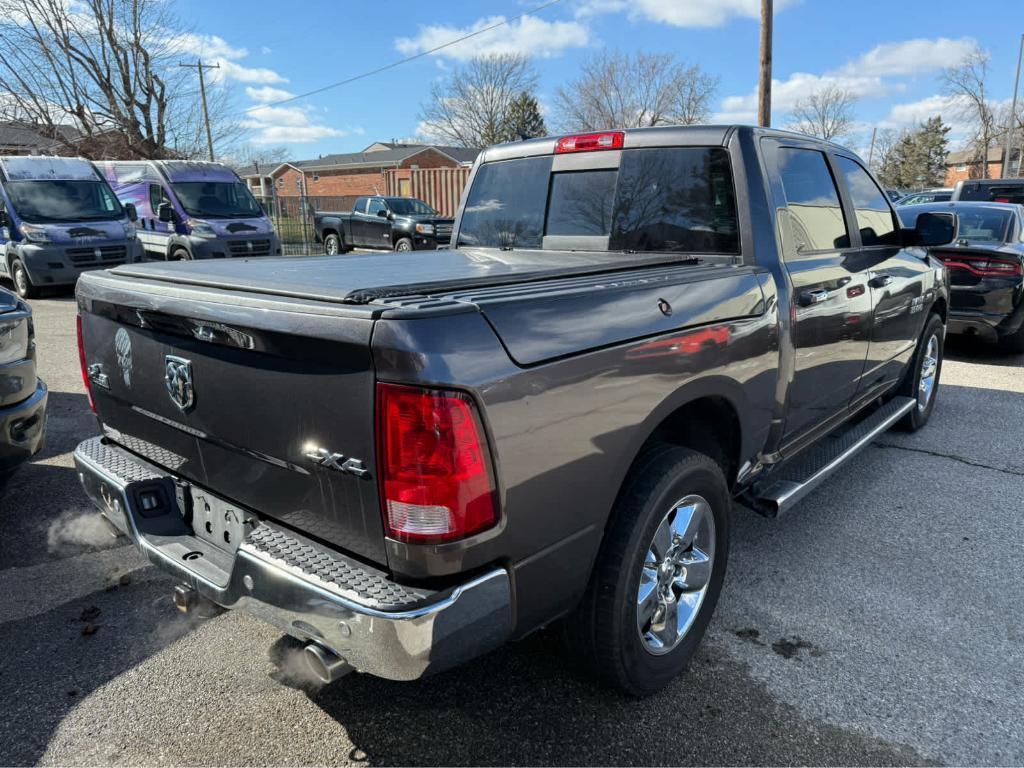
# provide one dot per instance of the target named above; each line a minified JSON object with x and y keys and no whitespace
{"x":986,"y":269}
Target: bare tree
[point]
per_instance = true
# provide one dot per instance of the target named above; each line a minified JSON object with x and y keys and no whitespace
{"x":108,"y":68}
{"x":471,"y":107}
{"x":617,"y":90}
{"x":826,"y":113}
{"x":966,"y":83}
{"x":264,"y":158}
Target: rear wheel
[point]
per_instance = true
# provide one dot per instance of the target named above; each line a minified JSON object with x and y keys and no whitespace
{"x":332,"y":245}
{"x":22,"y":282}
{"x":922,"y":378}
{"x":403,"y":244}
{"x":658,"y":575}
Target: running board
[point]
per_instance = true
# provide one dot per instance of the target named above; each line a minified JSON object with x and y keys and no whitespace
{"x":791,"y":483}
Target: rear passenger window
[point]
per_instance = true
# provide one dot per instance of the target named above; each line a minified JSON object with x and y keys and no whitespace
{"x":677,"y":200}
{"x":874,"y":216}
{"x":815,"y":213}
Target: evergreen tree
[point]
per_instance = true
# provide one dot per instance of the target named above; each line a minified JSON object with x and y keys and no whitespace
{"x":523,"y":119}
{"x":917,"y":159}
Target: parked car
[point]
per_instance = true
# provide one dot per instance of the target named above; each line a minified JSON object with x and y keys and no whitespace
{"x":926,"y":196}
{"x":22,"y":394}
{"x":986,"y":269}
{"x":58,"y":219}
{"x":192,"y":210}
{"x":990,"y":190}
{"x":383,"y":223}
{"x":895,"y":195}
{"x":548,"y":421}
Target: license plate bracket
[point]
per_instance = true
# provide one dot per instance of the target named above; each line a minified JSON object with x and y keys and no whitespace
{"x":217,"y":521}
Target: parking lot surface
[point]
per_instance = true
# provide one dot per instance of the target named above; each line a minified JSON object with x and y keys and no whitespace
{"x":880,"y":623}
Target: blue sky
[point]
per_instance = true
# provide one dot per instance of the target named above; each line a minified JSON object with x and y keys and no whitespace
{"x":889,"y":53}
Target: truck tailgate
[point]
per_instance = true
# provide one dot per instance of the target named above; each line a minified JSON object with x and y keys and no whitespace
{"x":270,"y":388}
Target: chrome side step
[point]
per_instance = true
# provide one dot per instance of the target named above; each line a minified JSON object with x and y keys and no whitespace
{"x":784,"y":488}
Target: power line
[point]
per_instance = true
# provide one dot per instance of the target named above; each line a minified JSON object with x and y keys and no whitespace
{"x":392,"y":65}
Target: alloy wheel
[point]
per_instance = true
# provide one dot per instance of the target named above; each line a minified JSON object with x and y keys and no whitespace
{"x":675,"y":574}
{"x":929,"y":370}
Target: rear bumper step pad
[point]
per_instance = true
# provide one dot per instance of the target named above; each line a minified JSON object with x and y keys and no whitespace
{"x":306,"y":590}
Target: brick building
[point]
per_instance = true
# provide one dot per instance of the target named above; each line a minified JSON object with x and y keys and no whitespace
{"x":356,"y":173}
{"x":964,"y":165}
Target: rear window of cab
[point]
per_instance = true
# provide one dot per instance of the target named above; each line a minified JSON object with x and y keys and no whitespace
{"x":676,"y":199}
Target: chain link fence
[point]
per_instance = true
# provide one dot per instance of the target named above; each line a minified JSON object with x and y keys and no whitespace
{"x":293,"y":219}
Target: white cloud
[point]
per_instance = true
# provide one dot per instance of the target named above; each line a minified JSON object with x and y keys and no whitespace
{"x":680,"y":13}
{"x":909,"y":57}
{"x":289,"y":125}
{"x":530,"y":36}
{"x":216,"y":50}
{"x":266,"y":94}
{"x":873,"y":74}
{"x":266,"y":50}
{"x":786,"y":93}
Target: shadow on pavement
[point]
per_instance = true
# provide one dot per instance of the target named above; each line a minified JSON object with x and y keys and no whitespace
{"x":525,"y":698}
{"x":971,"y":350}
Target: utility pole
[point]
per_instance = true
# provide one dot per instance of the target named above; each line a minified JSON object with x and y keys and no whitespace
{"x":199,"y":67}
{"x":1012,"y":122}
{"x":871,"y":152}
{"x":764,"y":90}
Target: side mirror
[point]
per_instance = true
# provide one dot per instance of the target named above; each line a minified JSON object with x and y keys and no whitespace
{"x":165,"y":213}
{"x":382,"y":213}
{"x":133,"y":215}
{"x":934,"y":229}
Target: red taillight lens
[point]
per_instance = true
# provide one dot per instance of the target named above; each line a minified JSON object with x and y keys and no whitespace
{"x":435,"y":477}
{"x":84,"y":365}
{"x":983,"y":267}
{"x":589,"y":142}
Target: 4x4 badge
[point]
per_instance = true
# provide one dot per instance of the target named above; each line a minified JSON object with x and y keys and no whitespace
{"x":178,"y":380}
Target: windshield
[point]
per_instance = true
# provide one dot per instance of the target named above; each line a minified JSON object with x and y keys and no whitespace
{"x":217,"y":200}
{"x":987,"y":225}
{"x":410,"y":206}
{"x":64,"y":201}
{"x":676,"y":200}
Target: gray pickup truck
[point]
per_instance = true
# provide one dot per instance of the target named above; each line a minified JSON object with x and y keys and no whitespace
{"x":406,"y":462}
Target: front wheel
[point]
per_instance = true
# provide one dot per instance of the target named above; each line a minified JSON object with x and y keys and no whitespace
{"x":332,"y":245}
{"x":22,"y":282}
{"x":403,"y":244}
{"x":922,"y":378}
{"x":658,"y":575}
{"x":180,"y":254}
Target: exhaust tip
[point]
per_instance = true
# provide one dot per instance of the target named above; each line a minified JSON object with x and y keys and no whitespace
{"x":325,"y":665}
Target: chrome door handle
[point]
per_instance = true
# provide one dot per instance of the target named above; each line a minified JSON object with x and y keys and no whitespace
{"x":809,"y":298}
{"x":880,"y":281}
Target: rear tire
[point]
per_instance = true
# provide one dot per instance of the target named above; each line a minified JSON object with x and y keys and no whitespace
{"x":22,"y":282}
{"x":403,"y":244}
{"x":623,"y":629}
{"x":332,"y":245}
{"x":921,"y":381}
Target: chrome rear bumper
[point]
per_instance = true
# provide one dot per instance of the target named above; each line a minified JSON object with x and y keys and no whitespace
{"x":306,"y":590}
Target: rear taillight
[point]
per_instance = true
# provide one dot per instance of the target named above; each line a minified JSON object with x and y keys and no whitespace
{"x":436,"y":482}
{"x":982,"y":267}
{"x":84,"y":365}
{"x":589,"y":142}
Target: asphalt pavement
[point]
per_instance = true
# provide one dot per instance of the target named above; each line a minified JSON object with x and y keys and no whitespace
{"x":878,"y":624}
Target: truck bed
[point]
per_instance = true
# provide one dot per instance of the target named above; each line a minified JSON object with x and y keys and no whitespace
{"x":363,"y":278}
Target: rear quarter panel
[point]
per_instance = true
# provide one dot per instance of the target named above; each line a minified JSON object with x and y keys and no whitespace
{"x":565,"y":431}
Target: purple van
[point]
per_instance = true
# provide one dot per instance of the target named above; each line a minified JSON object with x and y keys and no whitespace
{"x":192,"y":210}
